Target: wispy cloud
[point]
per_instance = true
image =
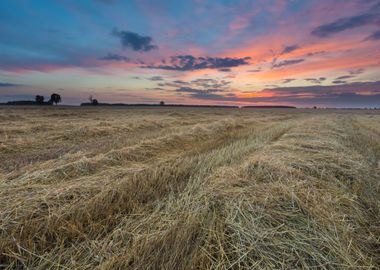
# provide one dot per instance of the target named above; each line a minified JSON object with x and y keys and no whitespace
{"x":374,"y":36}
{"x":288,"y":80}
{"x":345,"y":77}
{"x":5,"y":84}
{"x":316,"y":80}
{"x":339,"y":82}
{"x":196,"y":87}
{"x":357,"y":71}
{"x":114,"y":57}
{"x":156,"y":78}
{"x":197,"y":91}
{"x":255,"y":70}
{"x":288,"y":62}
{"x":288,"y":49}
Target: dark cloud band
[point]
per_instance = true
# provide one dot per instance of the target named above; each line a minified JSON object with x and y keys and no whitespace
{"x":189,"y":62}
{"x":343,"y":24}
{"x":352,"y":94}
{"x":131,"y":40}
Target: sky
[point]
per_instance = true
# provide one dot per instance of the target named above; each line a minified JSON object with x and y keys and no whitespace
{"x":251,"y":52}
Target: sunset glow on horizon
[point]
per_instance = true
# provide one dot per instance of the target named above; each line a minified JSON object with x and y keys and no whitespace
{"x":277,"y":52}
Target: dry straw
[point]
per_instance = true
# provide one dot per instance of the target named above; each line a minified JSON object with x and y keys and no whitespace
{"x":189,"y":189}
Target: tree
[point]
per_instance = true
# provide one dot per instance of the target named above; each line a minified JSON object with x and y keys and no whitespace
{"x":93,"y":101}
{"x":162,"y":103}
{"x":55,"y":98}
{"x":40,"y":99}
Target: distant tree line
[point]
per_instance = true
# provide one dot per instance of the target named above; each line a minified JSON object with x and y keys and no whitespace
{"x":39,"y":100}
{"x":54,"y":98}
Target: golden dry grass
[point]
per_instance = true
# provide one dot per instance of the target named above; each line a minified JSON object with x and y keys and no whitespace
{"x":182,"y":188}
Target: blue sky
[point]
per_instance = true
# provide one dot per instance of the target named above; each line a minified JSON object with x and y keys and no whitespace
{"x":303,"y":53}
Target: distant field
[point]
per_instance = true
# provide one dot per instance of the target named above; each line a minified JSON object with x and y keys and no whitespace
{"x":189,"y":188}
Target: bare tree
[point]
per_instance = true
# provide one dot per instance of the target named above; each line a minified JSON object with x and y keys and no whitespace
{"x":93,"y":101}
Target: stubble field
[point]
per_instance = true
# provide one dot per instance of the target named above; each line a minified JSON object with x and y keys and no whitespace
{"x":189,"y":188}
